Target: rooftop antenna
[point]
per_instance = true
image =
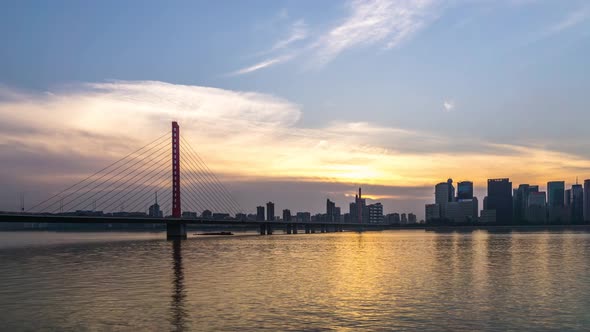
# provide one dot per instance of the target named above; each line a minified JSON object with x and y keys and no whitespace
{"x":156,"y":197}
{"x":22,"y":203}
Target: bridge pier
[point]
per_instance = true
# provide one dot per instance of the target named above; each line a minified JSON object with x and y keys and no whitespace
{"x":323,"y":228}
{"x":312,"y":229}
{"x":295,"y":228}
{"x":307,"y":229}
{"x":176,"y":231}
{"x":262,"y":228}
{"x":288,"y":228}
{"x":268,"y":229}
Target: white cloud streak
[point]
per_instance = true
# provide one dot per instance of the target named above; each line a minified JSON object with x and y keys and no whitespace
{"x":369,"y":22}
{"x":298,"y":32}
{"x":264,"y":64}
{"x":572,"y":19}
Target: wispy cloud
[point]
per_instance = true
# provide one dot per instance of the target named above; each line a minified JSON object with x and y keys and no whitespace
{"x":376,"y":21}
{"x":572,"y":19}
{"x":298,"y":32}
{"x":369,"y":22}
{"x":448,"y":105}
{"x":264,"y":64}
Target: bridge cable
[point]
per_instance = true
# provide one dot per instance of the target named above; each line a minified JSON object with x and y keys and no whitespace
{"x":102,"y":176}
{"x":107,"y":167}
{"x":142,"y":190}
{"x":210,"y":183}
{"x":125,"y":182}
{"x":158,"y":163}
{"x":150,"y":189}
{"x":210,"y":200}
{"x":214,"y":194}
{"x":78,"y":198}
{"x":197,"y":196}
{"x":219,"y":183}
{"x":222,"y":187}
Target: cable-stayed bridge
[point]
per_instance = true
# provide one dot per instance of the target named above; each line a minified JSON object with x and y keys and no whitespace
{"x":167,"y":178}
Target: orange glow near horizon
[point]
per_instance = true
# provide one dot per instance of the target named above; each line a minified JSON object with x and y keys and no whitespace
{"x":250,"y":137}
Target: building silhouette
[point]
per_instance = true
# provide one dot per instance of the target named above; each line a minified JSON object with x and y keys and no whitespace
{"x":536,"y":210}
{"x":586,"y":200}
{"x":555,"y":193}
{"x":464,"y":190}
{"x":260,"y":213}
{"x":375,"y":213}
{"x":303,"y":217}
{"x":577,"y":203}
{"x":287,"y":215}
{"x":358,"y":209}
{"x":432,"y":212}
{"x":332,"y":211}
{"x":441,"y":198}
{"x":270,"y":211}
{"x":154,"y":209}
{"x":451,"y":191}
{"x":500,"y":199}
{"x":556,"y":201}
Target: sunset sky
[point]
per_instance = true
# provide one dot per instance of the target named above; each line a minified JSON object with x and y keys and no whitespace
{"x":299,"y":101}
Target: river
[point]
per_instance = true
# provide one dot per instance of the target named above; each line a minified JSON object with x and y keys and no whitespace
{"x":391,"y":280}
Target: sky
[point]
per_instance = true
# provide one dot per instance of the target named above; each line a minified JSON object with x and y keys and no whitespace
{"x":299,"y":101}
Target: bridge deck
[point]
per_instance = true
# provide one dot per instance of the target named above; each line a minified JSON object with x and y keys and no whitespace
{"x":34,"y":218}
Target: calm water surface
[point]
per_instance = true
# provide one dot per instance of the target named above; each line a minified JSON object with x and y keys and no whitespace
{"x":370,"y":281}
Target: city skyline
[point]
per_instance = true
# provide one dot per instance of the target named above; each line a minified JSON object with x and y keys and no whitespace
{"x":297,"y":105}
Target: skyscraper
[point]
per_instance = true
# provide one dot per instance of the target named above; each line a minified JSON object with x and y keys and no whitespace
{"x":270,"y":211}
{"x":441,"y":197}
{"x":330,"y":207}
{"x":536,"y":211}
{"x":577,"y":203}
{"x":286,"y":215}
{"x":451,"y":190}
{"x":586,"y":200}
{"x":521,"y":198}
{"x":555,"y":193}
{"x":375,"y":213}
{"x":465,"y":190}
{"x":556,"y":201}
{"x":332,"y":211}
{"x":432,"y":212}
{"x":358,"y":210}
{"x":260,"y":213}
{"x":500,"y":199}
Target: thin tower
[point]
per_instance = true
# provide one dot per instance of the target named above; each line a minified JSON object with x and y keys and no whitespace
{"x":359,"y":207}
{"x":176,"y":211}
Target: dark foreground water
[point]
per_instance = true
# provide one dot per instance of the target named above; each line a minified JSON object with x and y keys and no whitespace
{"x":342,"y":281}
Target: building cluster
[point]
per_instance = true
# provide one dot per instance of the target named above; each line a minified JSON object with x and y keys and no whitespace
{"x":504,"y":204}
{"x":359,"y":212}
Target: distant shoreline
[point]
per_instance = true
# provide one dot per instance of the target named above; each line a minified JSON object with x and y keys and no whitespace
{"x":428,"y":228}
